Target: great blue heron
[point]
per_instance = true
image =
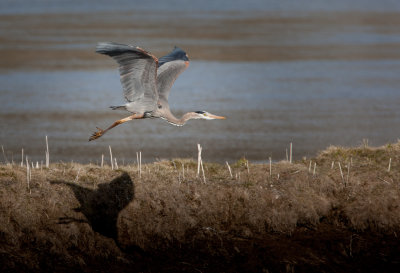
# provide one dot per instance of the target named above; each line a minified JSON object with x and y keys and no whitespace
{"x":146,"y":82}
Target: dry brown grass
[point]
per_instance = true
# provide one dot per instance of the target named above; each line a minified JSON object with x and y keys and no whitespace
{"x":371,"y":198}
{"x":169,"y":221}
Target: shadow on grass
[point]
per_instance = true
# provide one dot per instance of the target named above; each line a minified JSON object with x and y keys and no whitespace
{"x":102,"y":205}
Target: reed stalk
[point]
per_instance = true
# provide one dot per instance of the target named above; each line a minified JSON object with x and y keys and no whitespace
{"x":229,"y":168}
{"x":111,"y":158}
{"x":202,"y":170}
{"x":270,"y":167}
{"x":137,"y":161}
{"x":200,"y":163}
{"x":77,"y":175}
{"x":28,"y":172}
{"x":198,"y":159}
{"x":47,"y":154}
{"x":341,"y":172}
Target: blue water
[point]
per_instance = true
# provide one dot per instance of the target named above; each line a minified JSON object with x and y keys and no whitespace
{"x":268,"y":105}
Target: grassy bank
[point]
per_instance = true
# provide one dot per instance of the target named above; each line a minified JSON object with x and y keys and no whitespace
{"x":337,"y":212}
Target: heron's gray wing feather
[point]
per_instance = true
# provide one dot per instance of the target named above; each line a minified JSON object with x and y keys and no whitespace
{"x":138,"y":70}
{"x":166,"y":76}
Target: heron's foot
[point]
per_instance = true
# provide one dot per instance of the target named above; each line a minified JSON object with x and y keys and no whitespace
{"x":97,"y":134}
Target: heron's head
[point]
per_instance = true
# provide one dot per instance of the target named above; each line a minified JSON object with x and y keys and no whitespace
{"x":206,"y":115}
{"x":177,"y":54}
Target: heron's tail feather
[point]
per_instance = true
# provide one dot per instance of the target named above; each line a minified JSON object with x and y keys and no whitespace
{"x":121,"y":107}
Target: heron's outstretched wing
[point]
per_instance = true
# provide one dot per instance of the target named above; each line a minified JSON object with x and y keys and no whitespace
{"x":138,"y":70}
{"x":169,"y":68}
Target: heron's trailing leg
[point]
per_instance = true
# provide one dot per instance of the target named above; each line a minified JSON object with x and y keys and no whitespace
{"x":101,"y":132}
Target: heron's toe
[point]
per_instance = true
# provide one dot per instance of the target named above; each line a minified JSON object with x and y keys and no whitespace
{"x":97,"y":134}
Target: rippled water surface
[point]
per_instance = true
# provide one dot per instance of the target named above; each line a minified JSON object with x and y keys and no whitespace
{"x":268,"y":105}
{"x":317,"y":82}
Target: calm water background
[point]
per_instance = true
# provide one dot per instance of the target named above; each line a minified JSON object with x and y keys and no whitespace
{"x":339,"y":96}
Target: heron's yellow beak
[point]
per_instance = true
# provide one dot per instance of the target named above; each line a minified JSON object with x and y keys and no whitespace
{"x":216,"y":117}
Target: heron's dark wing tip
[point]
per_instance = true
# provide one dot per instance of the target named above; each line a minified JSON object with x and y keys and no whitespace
{"x":110,"y":47}
{"x":114,"y":49}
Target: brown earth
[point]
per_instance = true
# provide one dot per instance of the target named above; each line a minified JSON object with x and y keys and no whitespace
{"x":85,"y":218}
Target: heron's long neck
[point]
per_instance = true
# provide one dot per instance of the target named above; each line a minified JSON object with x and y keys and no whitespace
{"x":178,"y":121}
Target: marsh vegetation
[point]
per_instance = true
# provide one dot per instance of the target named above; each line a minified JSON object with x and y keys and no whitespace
{"x":336,"y":212}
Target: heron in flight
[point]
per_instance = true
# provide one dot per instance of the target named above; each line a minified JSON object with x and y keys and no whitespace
{"x":146,"y":82}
